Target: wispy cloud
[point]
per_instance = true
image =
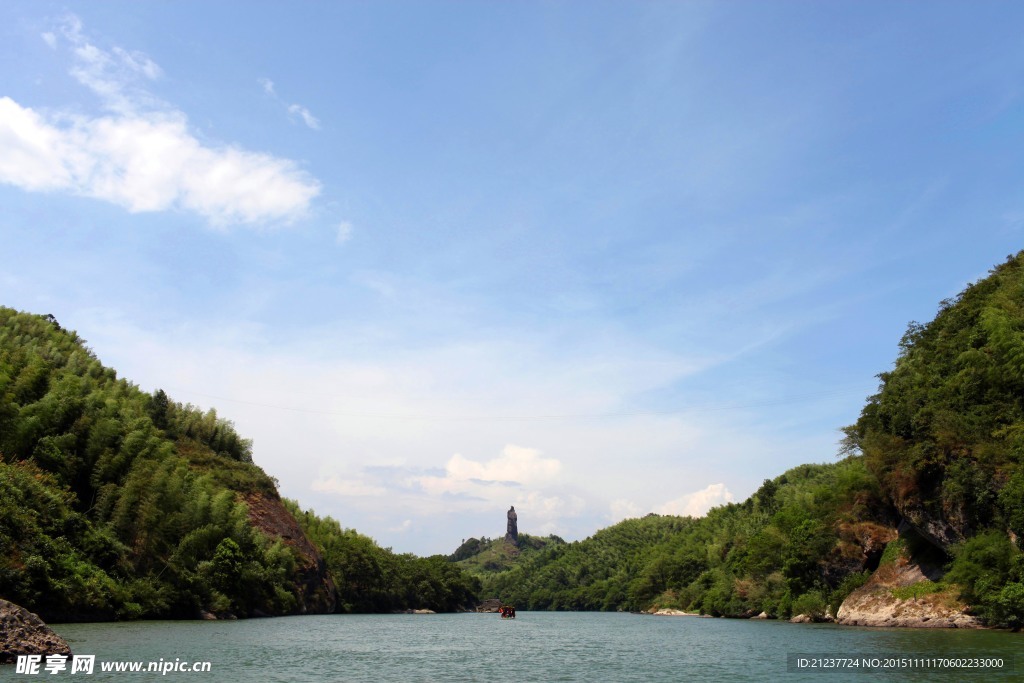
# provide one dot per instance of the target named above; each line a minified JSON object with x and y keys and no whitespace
{"x":295,"y":110}
{"x":141,"y":156}
{"x":694,"y":504}
{"x":303,"y":113}
{"x":117,"y":75}
{"x":698,"y":503}
{"x":344,"y":233}
{"x":406,"y":435}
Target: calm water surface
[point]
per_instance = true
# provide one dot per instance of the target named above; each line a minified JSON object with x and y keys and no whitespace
{"x":537,"y":646}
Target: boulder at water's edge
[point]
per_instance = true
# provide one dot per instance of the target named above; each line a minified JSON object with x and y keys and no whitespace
{"x":875,"y":604}
{"x":24,"y":633}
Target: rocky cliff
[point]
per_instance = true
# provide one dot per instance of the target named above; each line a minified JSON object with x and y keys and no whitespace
{"x":317,"y":591}
{"x":903,"y":593}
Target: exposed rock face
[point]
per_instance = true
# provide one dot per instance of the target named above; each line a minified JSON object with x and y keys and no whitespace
{"x":24,"y":633}
{"x":316,"y":589}
{"x":512,"y":533}
{"x":937,"y":528}
{"x":860,"y":547}
{"x":873,"y":604}
{"x":492,"y":605}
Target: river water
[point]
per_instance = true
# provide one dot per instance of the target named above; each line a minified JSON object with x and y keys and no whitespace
{"x":537,"y":646}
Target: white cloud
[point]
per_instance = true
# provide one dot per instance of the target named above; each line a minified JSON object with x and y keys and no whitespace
{"x":142,"y":156}
{"x":344,"y":233}
{"x":307,"y":118}
{"x":516,"y":466}
{"x":697,"y":504}
{"x":541,"y":514}
{"x":49,"y":39}
{"x":139,"y":63}
{"x":294,"y":109}
{"x":148,"y":162}
{"x":385,"y":427}
{"x":117,"y":76}
{"x":36,"y":156}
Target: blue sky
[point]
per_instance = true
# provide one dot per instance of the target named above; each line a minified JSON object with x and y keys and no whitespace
{"x":590,"y":259}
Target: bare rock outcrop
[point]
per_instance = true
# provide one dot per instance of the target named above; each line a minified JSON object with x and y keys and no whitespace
{"x":316,"y":588}
{"x":860,"y":546}
{"x":512,"y":528}
{"x":24,"y":633}
{"x":874,"y":604}
{"x":490,"y":605}
{"x":669,"y":612}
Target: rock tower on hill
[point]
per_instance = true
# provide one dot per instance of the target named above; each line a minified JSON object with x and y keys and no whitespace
{"x":512,"y":532}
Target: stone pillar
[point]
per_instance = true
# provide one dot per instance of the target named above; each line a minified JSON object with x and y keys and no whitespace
{"x":512,"y":532}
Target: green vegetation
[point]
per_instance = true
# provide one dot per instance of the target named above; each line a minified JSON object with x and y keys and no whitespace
{"x":944,"y":437}
{"x":919,"y":590}
{"x":799,"y":542}
{"x":482,"y":556}
{"x":939,"y":448}
{"x":374,"y":579}
{"x":103,"y":513}
{"x":945,"y":434}
{"x":989,"y":569}
{"x":115,"y":503}
{"x":118,"y":504}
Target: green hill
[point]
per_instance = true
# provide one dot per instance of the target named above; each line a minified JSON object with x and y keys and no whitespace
{"x":809,"y":536}
{"x":483,"y":556}
{"x":944,"y":438}
{"x":116,"y":503}
{"x":932,"y":473}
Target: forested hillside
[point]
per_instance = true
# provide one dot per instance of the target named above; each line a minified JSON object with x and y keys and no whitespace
{"x":806,"y":538}
{"x":944,"y":438}
{"x":483,"y":556}
{"x":379,"y":580}
{"x":935,"y":457}
{"x":117,"y":504}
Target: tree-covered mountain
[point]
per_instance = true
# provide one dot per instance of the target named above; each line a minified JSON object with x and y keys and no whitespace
{"x":116,"y":503}
{"x":807,"y":537}
{"x":379,"y":580}
{"x":483,"y":556}
{"x":944,"y":438}
{"x":935,"y":458}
